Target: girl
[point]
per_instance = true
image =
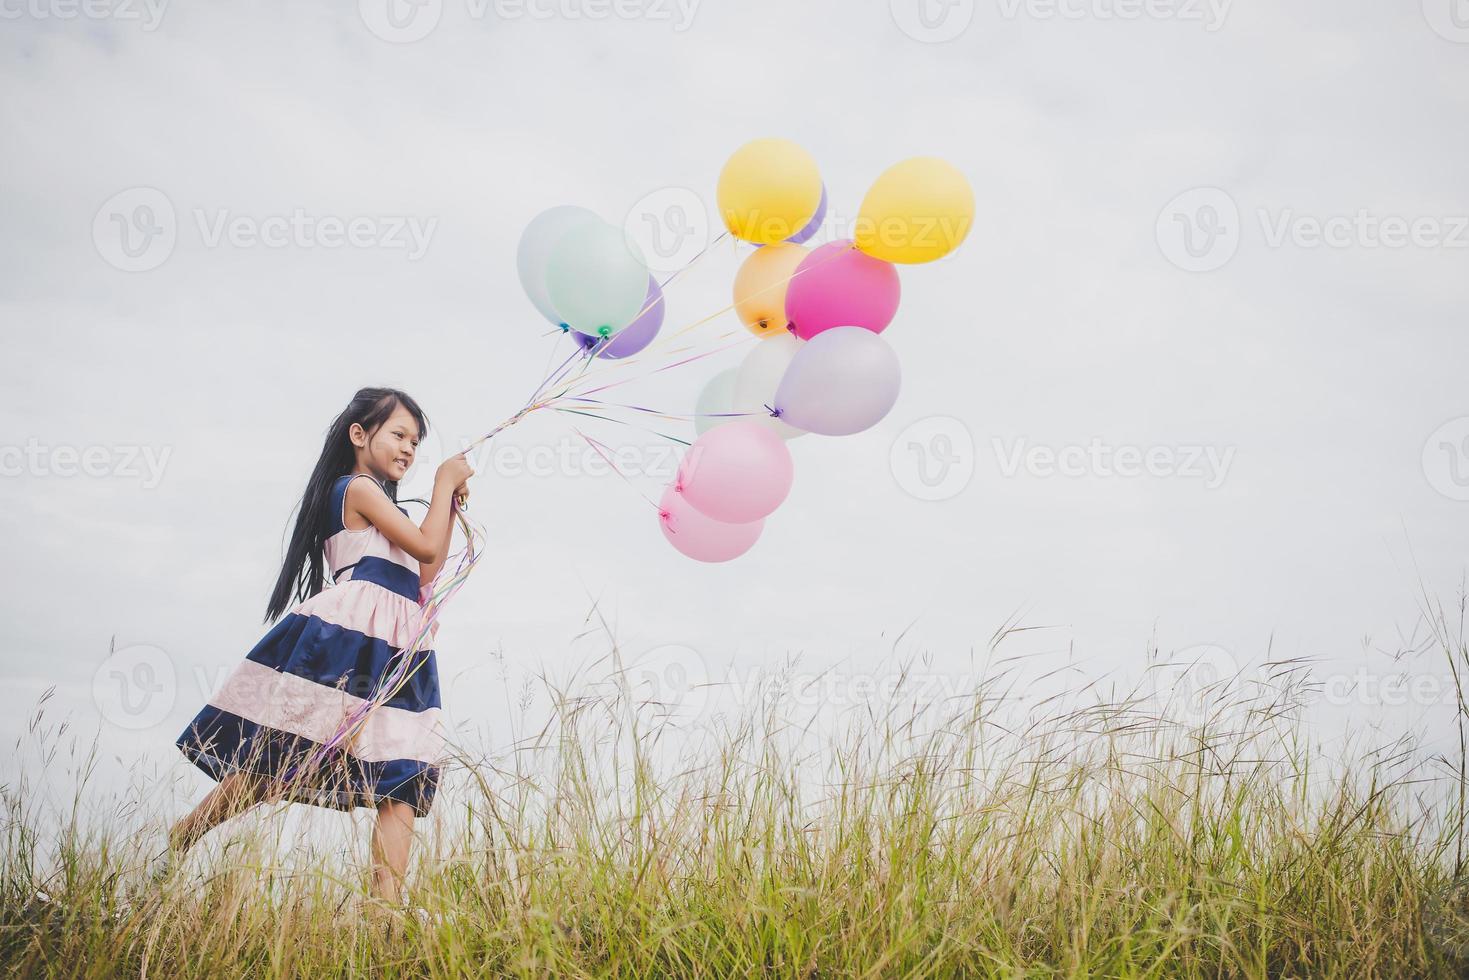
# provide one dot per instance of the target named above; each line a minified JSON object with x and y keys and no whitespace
{"x":325,"y":656}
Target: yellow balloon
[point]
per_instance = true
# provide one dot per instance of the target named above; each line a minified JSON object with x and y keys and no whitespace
{"x":917,"y":211}
{"x":760,"y":287}
{"x":768,"y":190}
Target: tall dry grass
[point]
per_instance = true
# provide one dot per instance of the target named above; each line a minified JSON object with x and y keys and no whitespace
{"x":1091,"y":837}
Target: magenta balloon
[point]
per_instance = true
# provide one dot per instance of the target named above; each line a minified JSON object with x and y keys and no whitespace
{"x":636,"y":335}
{"x":701,"y":537}
{"x":737,"y":472}
{"x":842,"y":381}
{"x":838,"y":286}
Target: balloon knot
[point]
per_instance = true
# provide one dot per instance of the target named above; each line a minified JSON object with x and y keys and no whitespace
{"x":665,"y":514}
{"x":774,"y":412}
{"x":791,"y":327}
{"x":565,"y":327}
{"x":604,"y":331}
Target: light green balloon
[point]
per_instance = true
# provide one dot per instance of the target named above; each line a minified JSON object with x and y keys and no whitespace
{"x":596,"y":279}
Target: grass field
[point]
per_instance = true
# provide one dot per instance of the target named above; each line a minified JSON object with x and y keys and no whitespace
{"x":1096,"y":838}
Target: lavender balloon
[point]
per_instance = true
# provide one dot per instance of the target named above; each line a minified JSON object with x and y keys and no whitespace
{"x":842,"y":381}
{"x":636,"y":335}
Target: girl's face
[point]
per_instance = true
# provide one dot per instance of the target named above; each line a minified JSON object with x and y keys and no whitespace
{"x":388,"y":451}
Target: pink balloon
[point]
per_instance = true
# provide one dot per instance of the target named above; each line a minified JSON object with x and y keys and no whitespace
{"x":838,"y":286}
{"x":703,"y":538}
{"x":737,"y":472}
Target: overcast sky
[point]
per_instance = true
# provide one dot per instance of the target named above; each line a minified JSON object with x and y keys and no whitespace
{"x":1226,"y":240}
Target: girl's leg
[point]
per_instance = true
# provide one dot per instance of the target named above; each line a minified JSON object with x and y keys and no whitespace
{"x":235,"y":794}
{"x":391,"y":839}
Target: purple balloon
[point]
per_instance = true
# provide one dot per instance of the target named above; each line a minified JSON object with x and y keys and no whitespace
{"x":636,"y":335}
{"x":812,"y":226}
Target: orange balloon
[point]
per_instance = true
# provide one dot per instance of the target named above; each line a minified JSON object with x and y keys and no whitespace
{"x":760,"y":287}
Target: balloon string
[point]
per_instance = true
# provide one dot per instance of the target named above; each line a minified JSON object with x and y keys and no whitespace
{"x":608,"y":418}
{"x":671,"y":416}
{"x":663,"y":341}
{"x":598,"y":448}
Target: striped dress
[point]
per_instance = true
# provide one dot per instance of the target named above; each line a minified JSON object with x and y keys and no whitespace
{"x":317,"y":664}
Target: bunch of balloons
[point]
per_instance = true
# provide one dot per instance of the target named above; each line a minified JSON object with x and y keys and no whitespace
{"x":821,"y":364}
{"x":584,"y":275}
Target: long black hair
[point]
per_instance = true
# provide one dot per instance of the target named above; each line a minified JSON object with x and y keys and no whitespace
{"x":302,"y":573}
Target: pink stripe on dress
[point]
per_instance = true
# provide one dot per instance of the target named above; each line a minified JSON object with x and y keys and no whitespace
{"x":370,"y":609}
{"x":302,"y":707}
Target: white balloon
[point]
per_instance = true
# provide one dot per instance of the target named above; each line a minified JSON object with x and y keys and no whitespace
{"x":717,"y":396}
{"x":536,"y":242}
{"x":759,"y":377}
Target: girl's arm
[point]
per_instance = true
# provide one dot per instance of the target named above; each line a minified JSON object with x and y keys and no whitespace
{"x":427,"y":571}
{"x":428,"y":544}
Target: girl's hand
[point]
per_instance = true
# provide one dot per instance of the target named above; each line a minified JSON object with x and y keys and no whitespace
{"x":453,"y":472}
{"x":461,"y":496}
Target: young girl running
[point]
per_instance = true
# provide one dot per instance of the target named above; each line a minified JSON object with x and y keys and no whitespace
{"x":325,"y":656}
